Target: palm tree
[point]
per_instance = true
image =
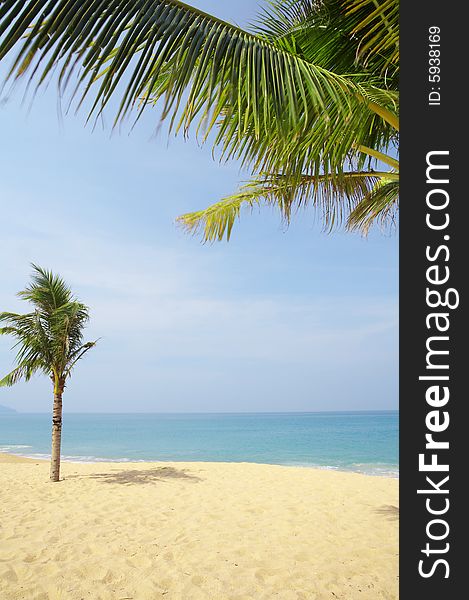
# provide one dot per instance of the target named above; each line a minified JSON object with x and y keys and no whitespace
{"x":307,"y":99}
{"x":49,"y":341}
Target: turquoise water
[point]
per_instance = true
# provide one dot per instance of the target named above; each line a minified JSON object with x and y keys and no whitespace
{"x":365,"y":442}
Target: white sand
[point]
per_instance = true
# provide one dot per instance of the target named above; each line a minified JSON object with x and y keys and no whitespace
{"x":190,"y":531}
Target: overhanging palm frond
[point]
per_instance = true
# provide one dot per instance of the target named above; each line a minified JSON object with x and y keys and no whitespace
{"x":335,"y":198}
{"x":380,"y":205}
{"x":300,"y":96}
{"x":346,"y":36}
{"x":219,"y":73}
{"x":97,"y":34}
{"x":378,"y":30}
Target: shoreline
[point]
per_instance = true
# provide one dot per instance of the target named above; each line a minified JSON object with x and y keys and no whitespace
{"x":99,"y":461}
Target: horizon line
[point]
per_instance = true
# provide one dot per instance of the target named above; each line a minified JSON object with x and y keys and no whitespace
{"x":273,"y":412}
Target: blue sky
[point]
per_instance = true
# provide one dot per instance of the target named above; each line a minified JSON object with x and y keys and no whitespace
{"x":274,"y":320}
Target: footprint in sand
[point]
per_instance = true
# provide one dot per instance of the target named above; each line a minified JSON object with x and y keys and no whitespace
{"x":29,"y":558}
{"x":8,"y":575}
{"x":139,"y":562}
{"x":302,"y":557}
{"x":197,"y":580}
{"x":263,"y":574}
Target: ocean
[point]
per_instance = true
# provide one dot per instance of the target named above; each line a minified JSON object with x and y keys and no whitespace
{"x":364,"y":442}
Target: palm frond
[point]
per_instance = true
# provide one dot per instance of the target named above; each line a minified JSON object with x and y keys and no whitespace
{"x":378,"y":29}
{"x":157,"y":31}
{"x":219,"y":74}
{"x":346,"y":36}
{"x":32,"y":343}
{"x":75,"y":356}
{"x":380,"y":206}
{"x":20,"y":372}
{"x":298,"y":96}
{"x":8,"y":330}
{"x":335,"y":198}
{"x":282,"y":18}
{"x":46,"y":291}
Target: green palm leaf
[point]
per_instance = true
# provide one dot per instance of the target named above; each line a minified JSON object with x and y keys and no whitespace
{"x":380,"y":206}
{"x":357,"y":190}
{"x":378,"y":30}
{"x":218,"y":73}
{"x":352,"y":36}
{"x":111,"y":33}
{"x":298,"y":96}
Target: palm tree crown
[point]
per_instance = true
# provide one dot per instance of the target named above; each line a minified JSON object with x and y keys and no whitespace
{"x":50,"y":338}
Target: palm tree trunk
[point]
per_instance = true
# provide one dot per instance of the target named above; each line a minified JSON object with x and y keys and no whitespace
{"x":56,"y":435}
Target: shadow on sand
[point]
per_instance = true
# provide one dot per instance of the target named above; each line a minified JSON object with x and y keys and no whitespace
{"x":141,"y":476}
{"x":390,"y":511}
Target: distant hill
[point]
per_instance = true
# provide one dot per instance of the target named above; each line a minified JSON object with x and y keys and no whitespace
{"x":6,"y":409}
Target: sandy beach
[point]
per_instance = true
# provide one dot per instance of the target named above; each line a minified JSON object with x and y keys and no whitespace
{"x":190,"y":531}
